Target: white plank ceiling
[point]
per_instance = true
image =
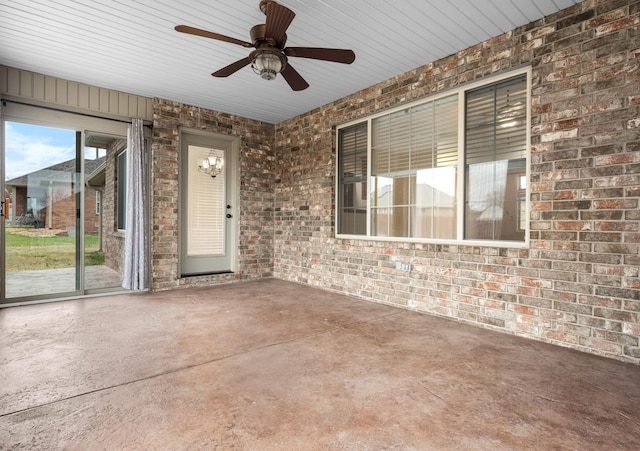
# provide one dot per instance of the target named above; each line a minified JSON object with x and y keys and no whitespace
{"x":131,"y":45}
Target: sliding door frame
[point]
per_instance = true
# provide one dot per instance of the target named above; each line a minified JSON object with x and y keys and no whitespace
{"x":16,"y":111}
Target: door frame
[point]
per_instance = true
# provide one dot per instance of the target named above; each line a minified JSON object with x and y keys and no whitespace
{"x":14,"y":111}
{"x":188,"y":135}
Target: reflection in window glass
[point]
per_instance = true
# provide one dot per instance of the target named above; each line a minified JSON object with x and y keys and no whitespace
{"x":495,"y":160}
{"x":435,"y":204}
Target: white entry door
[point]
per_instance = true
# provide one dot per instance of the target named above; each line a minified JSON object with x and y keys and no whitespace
{"x":207,"y":204}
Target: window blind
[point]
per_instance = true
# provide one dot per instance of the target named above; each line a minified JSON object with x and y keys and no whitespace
{"x":496,"y":122}
{"x":421,"y":137}
{"x":353,"y":150}
{"x":353,"y":173}
{"x":206,"y":209}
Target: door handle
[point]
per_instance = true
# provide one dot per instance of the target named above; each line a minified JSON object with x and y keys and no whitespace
{"x":229,"y":215}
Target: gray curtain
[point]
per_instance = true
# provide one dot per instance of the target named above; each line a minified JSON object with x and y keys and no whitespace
{"x":136,"y":264}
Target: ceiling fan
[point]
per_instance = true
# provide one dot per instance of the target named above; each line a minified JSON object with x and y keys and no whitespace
{"x":270,"y":56}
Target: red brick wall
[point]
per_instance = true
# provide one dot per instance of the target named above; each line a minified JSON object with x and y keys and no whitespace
{"x":63,"y":213}
{"x":256,"y":185}
{"x":112,"y":238}
{"x":20,"y":201}
{"x":577,"y":284}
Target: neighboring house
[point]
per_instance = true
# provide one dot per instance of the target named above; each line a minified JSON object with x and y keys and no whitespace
{"x":46,"y":198}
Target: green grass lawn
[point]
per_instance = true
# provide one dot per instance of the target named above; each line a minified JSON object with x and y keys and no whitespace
{"x":47,"y":252}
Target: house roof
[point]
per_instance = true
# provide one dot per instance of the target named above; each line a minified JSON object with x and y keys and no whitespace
{"x":98,"y":176}
{"x":59,"y":171}
{"x":132,"y":46}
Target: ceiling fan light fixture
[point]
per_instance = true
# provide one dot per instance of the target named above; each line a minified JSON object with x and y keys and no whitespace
{"x":267,"y":64}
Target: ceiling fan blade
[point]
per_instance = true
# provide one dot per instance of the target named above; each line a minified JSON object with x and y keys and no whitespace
{"x":278,"y":20}
{"x":317,"y":53}
{"x":208,"y":34}
{"x":294,"y":79}
{"x":232,"y":68}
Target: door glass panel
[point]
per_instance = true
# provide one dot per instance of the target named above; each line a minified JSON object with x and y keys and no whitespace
{"x":206,"y":205}
{"x":41,"y":171}
{"x":207,"y":168}
{"x":103,"y":237}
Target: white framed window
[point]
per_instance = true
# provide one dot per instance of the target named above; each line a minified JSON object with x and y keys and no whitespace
{"x":98,"y":202}
{"x":451,"y":167}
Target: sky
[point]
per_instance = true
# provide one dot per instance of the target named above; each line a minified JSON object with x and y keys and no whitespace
{"x":32,"y":147}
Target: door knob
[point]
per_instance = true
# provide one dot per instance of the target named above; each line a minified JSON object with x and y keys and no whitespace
{"x":228,"y":215}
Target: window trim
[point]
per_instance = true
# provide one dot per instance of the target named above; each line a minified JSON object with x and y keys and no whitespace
{"x":98,"y":202}
{"x":461,"y":91}
{"x":121,"y":197}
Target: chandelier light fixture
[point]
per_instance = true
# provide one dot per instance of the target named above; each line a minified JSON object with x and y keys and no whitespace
{"x":211,"y":165}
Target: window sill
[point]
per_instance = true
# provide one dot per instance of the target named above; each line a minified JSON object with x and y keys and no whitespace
{"x":481,"y":243}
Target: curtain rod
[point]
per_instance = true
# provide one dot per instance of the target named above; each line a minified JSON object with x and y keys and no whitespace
{"x":60,"y":110}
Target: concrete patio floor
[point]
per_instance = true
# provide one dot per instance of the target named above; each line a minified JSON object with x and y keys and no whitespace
{"x":271,"y":365}
{"x":60,"y":280}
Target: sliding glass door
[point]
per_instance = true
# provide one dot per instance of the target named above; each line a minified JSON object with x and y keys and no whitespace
{"x":60,"y":233}
{"x":42,"y":193}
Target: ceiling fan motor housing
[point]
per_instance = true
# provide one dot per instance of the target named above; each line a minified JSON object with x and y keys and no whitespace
{"x":258,"y":38}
